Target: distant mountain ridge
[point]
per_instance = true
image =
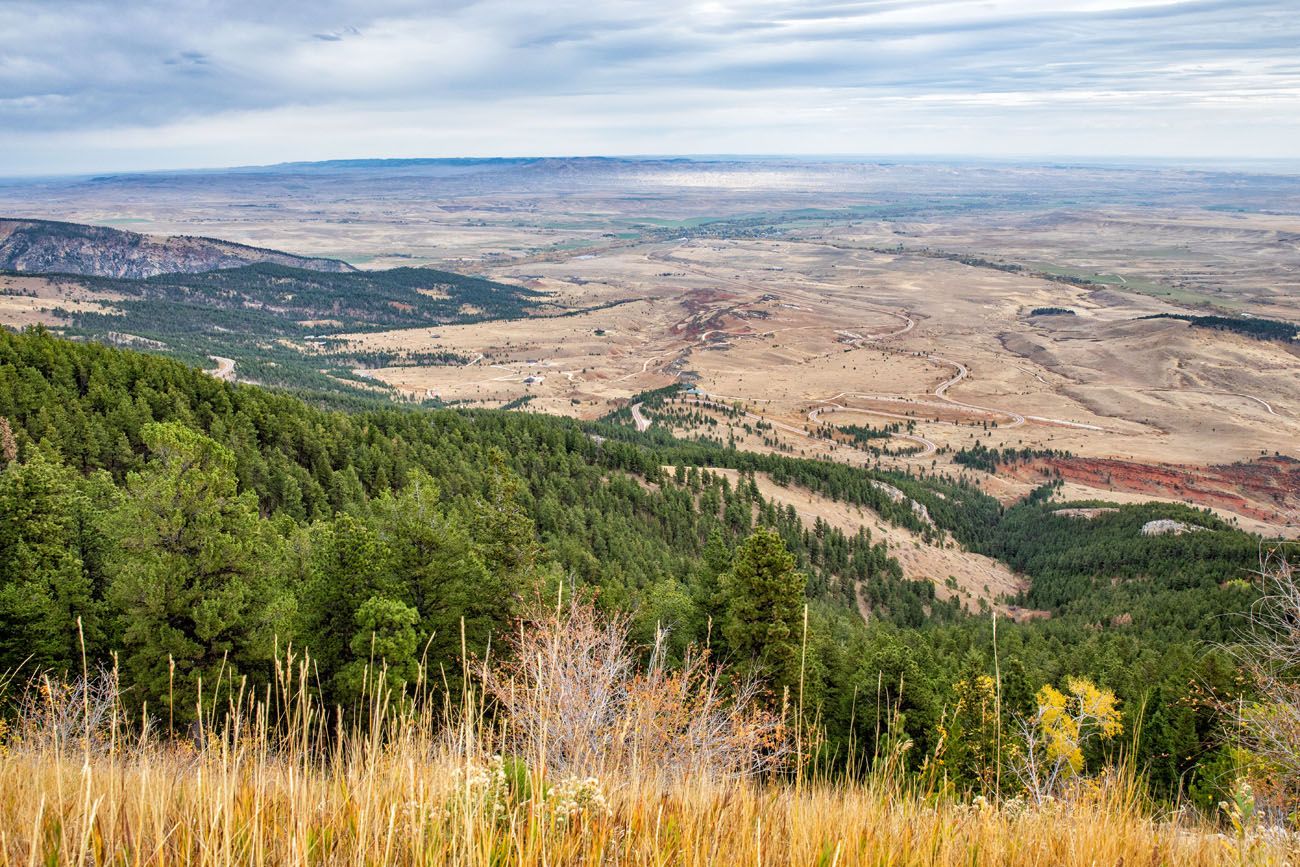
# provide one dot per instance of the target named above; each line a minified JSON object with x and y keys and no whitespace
{"x":52,"y":247}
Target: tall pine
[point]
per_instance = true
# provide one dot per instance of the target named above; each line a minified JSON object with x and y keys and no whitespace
{"x":195,"y":577}
{"x":763,"y":614}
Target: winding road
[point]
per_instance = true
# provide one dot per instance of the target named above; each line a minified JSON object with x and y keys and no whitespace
{"x":928,"y":447}
{"x":1259,"y":400}
{"x":225,"y":368}
{"x":941,"y":392}
{"x":1016,"y":419}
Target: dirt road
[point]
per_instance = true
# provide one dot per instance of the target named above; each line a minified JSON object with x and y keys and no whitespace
{"x":225,"y":368}
{"x":928,"y":447}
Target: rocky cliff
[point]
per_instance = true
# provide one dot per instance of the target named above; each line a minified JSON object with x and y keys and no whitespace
{"x":46,"y":246}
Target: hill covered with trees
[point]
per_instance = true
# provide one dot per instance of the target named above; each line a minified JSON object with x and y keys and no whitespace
{"x":195,"y":528}
{"x":269,"y":318}
{"x":1251,"y":326}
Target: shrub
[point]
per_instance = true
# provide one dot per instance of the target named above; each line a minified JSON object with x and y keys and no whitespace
{"x":577,"y":704}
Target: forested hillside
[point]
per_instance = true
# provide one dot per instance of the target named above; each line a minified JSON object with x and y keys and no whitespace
{"x":176,"y":517}
{"x":353,"y":300}
{"x":1104,"y":568}
{"x":1251,"y":326}
{"x":269,"y":317}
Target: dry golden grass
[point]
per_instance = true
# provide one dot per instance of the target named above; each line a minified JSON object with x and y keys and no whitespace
{"x":413,"y":802}
{"x":277,"y":779}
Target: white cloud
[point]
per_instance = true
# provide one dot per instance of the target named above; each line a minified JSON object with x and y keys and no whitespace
{"x":95,"y":84}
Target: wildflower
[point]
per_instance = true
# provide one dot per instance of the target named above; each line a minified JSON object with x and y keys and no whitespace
{"x":486,"y":782}
{"x":1240,"y":807}
{"x":1015,"y":807}
{"x":573,"y":799}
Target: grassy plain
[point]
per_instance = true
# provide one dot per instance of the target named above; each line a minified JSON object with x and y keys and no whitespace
{"x":789,"y":328}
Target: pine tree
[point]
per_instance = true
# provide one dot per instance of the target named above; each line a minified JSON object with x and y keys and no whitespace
{"x":194,"y":574}
{"x":505,"y":532}
{"x":437,"y":569}
{"x":349,"y":565}
{"x":763,"y":614}
{"x":45,"y":584}
{"x":384,"y":645}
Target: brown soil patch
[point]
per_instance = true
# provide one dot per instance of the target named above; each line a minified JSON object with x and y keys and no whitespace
{"x":1266,"y":489}
{"x":975,"y":576}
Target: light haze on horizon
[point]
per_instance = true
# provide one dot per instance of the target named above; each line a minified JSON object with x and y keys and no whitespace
{"x":95,"y":85}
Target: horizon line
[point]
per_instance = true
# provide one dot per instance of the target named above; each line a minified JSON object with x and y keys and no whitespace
{"x":1279,"y":165}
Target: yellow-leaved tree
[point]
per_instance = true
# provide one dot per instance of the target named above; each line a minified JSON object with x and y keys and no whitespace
{"x":1053,"y":741}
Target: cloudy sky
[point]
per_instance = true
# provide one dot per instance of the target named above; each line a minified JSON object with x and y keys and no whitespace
{"x":139,"y":84}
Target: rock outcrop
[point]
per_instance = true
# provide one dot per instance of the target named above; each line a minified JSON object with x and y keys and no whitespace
{"x":49,"y":247}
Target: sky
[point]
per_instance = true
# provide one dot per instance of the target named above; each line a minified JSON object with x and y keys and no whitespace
{"x":118,"y":85}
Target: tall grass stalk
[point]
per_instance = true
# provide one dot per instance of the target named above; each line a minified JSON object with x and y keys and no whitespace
{"x":411,"y":778}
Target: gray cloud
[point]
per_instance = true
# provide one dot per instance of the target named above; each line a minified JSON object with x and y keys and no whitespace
{"x":134,"y":83}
